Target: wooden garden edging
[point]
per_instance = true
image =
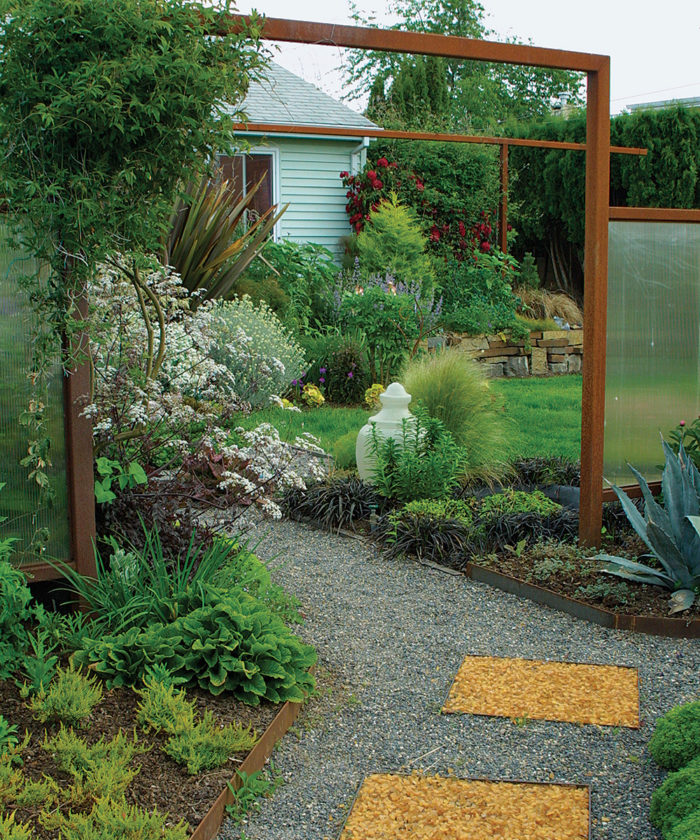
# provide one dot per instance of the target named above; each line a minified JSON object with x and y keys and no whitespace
{"x":677,"y":628}
{"x":211,"y":823}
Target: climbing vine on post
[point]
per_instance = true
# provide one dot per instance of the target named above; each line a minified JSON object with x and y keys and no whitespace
{"x":106,"y":108}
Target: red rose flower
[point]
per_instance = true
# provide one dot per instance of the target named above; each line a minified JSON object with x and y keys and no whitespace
{"x":485,"y":246}
{"x":435,"y":233}
{"x":344,"y":174}
{"x":382,"y":162}
{"x":419,"y":186}
{"x":462,"y":230}
{"x":377,"y":184}
{"x":372,"y":175}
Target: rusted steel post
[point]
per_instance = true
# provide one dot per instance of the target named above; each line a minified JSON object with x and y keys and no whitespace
{"x":79,"y":469}
{"x":503,"y":205}
{"x":595,"y":302}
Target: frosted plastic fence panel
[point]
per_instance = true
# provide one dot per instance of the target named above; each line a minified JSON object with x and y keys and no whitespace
{"x":42,"y":530}
{"x":652,"y":348}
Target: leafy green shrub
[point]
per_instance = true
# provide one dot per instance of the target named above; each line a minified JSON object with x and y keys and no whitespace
{"x":528,"y":276}
{"x":99,"y":769}
{"x":304,"y":272}
{"x":272,"y":359}
{"x":206,"y":745}
{"x":70,"y":698}
{"x":112,"y":819}
{"x":332,"y":358}
{"x":676,"y":739}
{"x":338,"y":503}
{"x":393,"y":242}
{"x":453,"y":389}
{"x":223,"y":641}
{"x":677,"y":797}
{"x":425,"y":463}
{"x":477,"y":293}
{"x":15,"y":611}
{"x":687,"y":829}
{"x":387,"y":320}
{"x":344,"y":451}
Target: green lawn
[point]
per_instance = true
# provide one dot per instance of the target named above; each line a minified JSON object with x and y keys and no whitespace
{"x":545,"y":414}
{"x":544,"y":417}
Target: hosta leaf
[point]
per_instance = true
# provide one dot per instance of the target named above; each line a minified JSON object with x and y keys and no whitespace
{"x":682,"y":599}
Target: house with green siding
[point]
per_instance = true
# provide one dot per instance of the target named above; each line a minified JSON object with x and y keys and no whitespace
{"x":302,"y":170}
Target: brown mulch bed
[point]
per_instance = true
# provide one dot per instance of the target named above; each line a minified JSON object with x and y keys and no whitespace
{"x":161,"y":782}
{"x":566,"y":570}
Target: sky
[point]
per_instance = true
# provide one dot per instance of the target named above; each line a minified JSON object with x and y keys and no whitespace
{"x":654,"y":47}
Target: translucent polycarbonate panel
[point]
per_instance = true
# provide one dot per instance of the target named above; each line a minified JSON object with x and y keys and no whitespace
{"x":653,"y":350}
{"x":41,"y":528}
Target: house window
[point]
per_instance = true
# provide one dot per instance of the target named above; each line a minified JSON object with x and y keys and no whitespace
{"x":244,"y":172}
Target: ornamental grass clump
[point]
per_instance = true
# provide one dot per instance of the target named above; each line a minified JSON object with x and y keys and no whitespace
{"x":453,"y":389}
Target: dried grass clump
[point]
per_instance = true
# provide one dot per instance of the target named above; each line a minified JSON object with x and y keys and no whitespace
{"x":539,"y":303}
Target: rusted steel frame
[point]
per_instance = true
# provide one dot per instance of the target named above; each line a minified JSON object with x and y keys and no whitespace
{"x":595,"y":303}
{"x":654,"y":214}
{"x":503,"y":203}
{"x":36,"y":572}
{"x":210,"y":824}
{"x":634,"y":491}
{"x":677,"y":628}
{"x":391,"y":134}
{"x":420,"y":43}
{"x":79,"y":460}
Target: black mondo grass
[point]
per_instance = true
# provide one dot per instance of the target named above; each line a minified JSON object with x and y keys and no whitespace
{"x":443,"y":541}
{"x":340,"y":503}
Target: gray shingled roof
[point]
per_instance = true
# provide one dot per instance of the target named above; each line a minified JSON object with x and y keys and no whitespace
{"x":284,"y":98}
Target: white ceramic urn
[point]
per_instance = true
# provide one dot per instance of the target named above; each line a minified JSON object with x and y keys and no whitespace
{"x":388,"y":423}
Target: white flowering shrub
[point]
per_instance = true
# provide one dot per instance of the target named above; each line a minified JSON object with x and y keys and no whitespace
{"x":256,"y":349}
{"x":159,"y":395}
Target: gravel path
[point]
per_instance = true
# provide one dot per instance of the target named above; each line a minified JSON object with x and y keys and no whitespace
{"x":390,"y":636}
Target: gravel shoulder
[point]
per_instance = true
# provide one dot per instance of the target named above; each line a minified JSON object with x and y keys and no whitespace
{"x":390,"y":635}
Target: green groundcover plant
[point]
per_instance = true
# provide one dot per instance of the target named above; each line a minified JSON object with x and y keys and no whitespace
{"x":677,"y":798}
{"x":676,"y":739}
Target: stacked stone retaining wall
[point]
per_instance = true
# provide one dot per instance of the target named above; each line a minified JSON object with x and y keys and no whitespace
{"x":547,"y":352}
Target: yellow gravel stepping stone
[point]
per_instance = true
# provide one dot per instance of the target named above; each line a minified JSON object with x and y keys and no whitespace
{"x":607,"y":695}
{"x":418,"y":807}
